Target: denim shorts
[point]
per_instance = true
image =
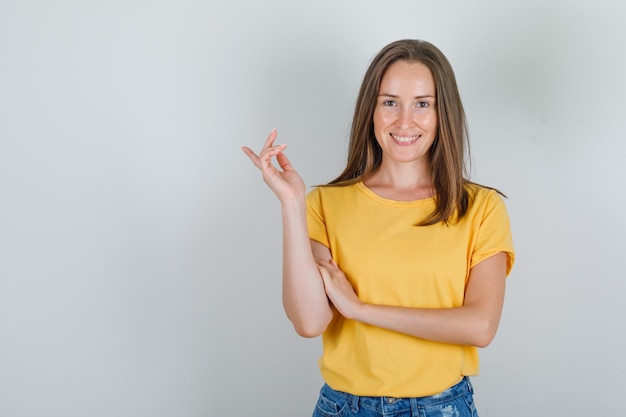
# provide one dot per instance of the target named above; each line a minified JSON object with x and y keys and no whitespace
{"x":457,"y":401}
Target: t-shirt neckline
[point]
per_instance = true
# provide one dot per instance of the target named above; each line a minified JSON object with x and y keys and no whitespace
{"x":389,"y":202}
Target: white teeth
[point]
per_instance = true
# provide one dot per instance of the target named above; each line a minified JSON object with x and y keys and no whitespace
{"x":404,"y":139}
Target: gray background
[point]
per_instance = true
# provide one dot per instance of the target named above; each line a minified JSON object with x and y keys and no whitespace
{"x":140,"y":249}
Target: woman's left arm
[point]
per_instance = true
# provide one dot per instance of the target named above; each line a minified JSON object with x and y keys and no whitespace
{"x":475,"y":323}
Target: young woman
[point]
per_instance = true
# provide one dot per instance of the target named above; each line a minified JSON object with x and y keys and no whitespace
{"x":400,"y":262}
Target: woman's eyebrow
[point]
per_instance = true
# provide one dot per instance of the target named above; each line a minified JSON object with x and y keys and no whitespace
{"x":394,"y":96}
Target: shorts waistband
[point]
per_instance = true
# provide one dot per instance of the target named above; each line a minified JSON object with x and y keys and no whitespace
{"x":393,"y":404}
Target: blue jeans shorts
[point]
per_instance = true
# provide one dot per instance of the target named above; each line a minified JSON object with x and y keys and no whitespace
{"x":457,"y":401}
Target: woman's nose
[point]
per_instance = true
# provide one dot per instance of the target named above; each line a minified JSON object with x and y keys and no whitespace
{"x":405,"y":118}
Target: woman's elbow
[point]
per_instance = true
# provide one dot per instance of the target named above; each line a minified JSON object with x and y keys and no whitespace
{"x":311,"y":326}
{"x":484,"y":334}
{"x":483,"y":341}
{"x":309,"y":330}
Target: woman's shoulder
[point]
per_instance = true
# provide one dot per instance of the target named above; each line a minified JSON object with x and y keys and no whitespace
{"x":482,"y":195}
{"x":324,"y":195}
{"x":331,"y":189}
{"x":480,"y":191}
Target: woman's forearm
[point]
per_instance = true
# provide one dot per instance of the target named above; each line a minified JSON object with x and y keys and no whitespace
{"x":461,"y":325}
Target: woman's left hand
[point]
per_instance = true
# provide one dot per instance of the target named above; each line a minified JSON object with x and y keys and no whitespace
{"x":338,"y":288}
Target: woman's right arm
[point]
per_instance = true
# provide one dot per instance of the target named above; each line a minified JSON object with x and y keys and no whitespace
{"x":304,"y":297}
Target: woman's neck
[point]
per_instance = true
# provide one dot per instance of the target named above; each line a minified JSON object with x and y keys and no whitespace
{"x":402,"y":182}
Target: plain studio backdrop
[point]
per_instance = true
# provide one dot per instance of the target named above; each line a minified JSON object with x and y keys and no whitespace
{"x":140,"y":250}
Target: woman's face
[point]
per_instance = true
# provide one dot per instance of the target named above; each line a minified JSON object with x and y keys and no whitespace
{"x":405,"y":117}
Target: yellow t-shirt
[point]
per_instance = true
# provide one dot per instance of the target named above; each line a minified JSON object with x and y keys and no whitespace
{"x":391,"y":261}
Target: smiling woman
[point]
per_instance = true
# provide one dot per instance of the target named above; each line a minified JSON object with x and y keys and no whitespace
{"x":400,"y":262}
{"x":405,"y":126}
{"x":446,"y":157}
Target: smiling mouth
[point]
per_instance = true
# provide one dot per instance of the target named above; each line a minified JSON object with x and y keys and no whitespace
{"x":405,"y":139}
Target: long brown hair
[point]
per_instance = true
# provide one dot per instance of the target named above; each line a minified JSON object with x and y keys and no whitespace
{"x":447,"y":153}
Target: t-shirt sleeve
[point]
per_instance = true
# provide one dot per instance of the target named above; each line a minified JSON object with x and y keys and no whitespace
{"x":315,"y":217}
{"x":494,"y":233}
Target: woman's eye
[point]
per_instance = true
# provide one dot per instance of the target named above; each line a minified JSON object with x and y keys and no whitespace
{"x":389,"y":103}
{"x":422,"y":104}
